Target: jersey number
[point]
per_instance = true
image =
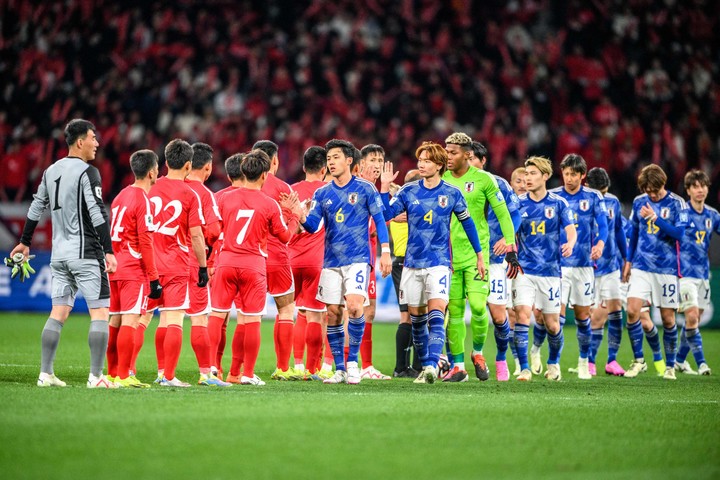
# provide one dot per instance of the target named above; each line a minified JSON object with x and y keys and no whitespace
{"x":668,"y":290}
{"x":553,"y":293}
{"x":243,"y":214}
{"x":538,"y":229}
{"x":177,"y":210}
{"x":116,"y":228}
{"x":652,"y":228}
{"x":497,"y":286}
{"x":57,"y":194}
{"x":339,"y":217}
{"x":700,"y":236}
{"x":428,"y":217}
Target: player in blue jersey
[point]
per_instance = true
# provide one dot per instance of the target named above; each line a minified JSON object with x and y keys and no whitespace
{"x":499,"y":294}
{"x":545,"y":216}
{"x":695,"y":269}
{"x":578,"y":279}
{"x":608,"y":303}
{"x":344,"y":206}
{"x":425,"y":283}
{"x":658,"y":220}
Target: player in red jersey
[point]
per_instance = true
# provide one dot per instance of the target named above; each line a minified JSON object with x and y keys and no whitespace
{"x":250,"y":218}
{"x":280,"y":276}
{"x":306,"y":257}
{"x":217,"y":322}
{"x":179,"y":229}
{"x":200,"y":296}
{"x":131,"y":235}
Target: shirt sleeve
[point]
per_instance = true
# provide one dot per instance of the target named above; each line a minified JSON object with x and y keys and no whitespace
{"x":716,"y":221}
{"x":393,"y":207}
{"x":601,"y":217}
{"x":195,"y":217}
{"x":92,"y":192}
{"x":567,"y":216}
{"x":314,"y":219}
{"x":497,"y":202}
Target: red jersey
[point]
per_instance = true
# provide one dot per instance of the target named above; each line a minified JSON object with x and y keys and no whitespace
{"x":250,"y":218}
{"x":307,"y":249}
{"x":176,"y":211}
{"x":277,"y":250}
{"x":217,"y":247}
{"x":209,"y":216}
{"x":131,"y":235}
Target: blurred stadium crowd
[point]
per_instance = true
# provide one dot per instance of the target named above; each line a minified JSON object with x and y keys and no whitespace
{"x":623,"y":82}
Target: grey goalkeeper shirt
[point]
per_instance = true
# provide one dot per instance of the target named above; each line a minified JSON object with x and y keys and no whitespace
{"x":71,"y":189}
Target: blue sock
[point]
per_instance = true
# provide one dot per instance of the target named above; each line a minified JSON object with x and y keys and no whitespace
{"x":635,"y":332}
{"x":502,"y":337}
{"x":562,"y":321}
{"x":670,"y":337}
{"x":539,"y":334}
{"x":583,"y":336}
{"x":356,"y":328}
{"x":694,"y":340}
{"x":336,"y":340}
{"x":614,"y":334}
{"x":511,"y":341}
{"x":436,"y":340}
{"x":596,"y":339}
{"x":521,"y":345}
{"x":555,"y":344}
{"x":654,"y":340}
{"x":684,"y":347}
{"x":420,"y":336}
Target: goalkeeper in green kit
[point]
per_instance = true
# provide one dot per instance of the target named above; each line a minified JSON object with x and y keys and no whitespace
{"x":480,"y":189}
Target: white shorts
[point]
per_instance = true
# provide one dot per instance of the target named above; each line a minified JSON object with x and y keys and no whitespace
{"x":659,"y":289}
{"x":578,"y":286}
{"x":542,"y":292}
{"x":694,"y":292}
{"x":498,"y":285}
{"x":418,"y":285}
{"x":607,"y":287}
{"x":509,"y":303}
{"x":337,"y":282}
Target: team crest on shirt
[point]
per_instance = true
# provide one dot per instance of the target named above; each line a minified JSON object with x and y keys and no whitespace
{"x":549,"y":212}
{"x":584,"y":205}
{"x":442,"y":201}
{"x":353,"y":198}
{"x":469,"y":186}
{"x":664,"y":213}
{"x":708,"y":224}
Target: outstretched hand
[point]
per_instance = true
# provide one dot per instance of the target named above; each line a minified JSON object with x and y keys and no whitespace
{"x":387,"y":177}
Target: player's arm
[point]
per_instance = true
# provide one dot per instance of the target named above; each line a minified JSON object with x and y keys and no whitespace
{"x":568,"y":223}
{"x":620,"y":238}
{"x":312,"y":222}
{"x":602,"y":235}
{"x":289,"y":208}
{"x":497,"y":202}
{"x":673,"y":230}
{"x":392,"y":207}
{"x":212,"y":232}
{"x":632,"y":235}
{"x":471,"y":231}
{"x":92,"y":192}
{"x":40,"y":202}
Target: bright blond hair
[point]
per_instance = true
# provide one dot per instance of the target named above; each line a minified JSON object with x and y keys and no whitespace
{"x":541,"y":163}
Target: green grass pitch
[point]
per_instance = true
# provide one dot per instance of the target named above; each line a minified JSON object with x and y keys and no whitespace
{"x":604,"y":428}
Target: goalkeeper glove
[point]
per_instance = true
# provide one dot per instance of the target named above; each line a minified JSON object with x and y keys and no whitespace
{"x":20,"y":266}
{"x":155,"y":289}
{"x":514,"y":268}
{"x":203,"y":277}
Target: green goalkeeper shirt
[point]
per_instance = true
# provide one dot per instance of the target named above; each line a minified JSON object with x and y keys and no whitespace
{"x":479,"y":188}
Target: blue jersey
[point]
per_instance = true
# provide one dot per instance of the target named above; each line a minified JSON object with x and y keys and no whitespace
{"x":616,"y":245}
{"x":540,"y":232}
{"x":345,"y":212}
{"x":653,"y":250}
{"x":429,"y":212}
{"x":588,"y":207}
{"x":695,"y":244}
{"x":512,"y":202}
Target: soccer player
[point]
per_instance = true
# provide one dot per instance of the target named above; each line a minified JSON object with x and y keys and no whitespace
{"x":608,"y":300}
{"x":249,"y":218}
{"x":694,"y":266}
{"x":578,"y":279}
{"x":430,"y":203}
{"x":658,"y":220}
{"x":517,"y":182}
{"x":82,"y":254}
{"x":280,"y":276}
{"x":136,"y":276}
{"x":178,"y":223}
{"x":544,"y":216}
{"x":499,"y":295}
{"x":306,"y":252}
{"x":345,"y":206}
{"x":479,"y":189}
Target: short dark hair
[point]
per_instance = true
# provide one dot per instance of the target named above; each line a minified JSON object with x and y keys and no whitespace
{"x":696,"y":176}
{"x":177,"y":153}
{"x":480,"y":151}
{"x":77,"y":128}
{"x":270,"y":148}
{"x":347,"y":148}
{"x":202,"y":155}
{"x":141,"y":162}
{"x":598,"y":178}
{"x":652,"y":178}
{"x":371,"y":148}
{"x":233,"y":167}
{"x":574,"y":162}
{"x":314,"y":159}
{"x":255,"y":164}
{"x":357,"y":158}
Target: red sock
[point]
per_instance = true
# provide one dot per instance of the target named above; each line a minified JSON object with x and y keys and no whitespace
{"x":299,"y":338}
{"x":173,"y":344}
{"x":112,"y":352}
{"x":328,"y":356}
{"x":139,"y":340}
{"x":346,"y":351}
{"x":160,"y":334}
{"x":252,"y":347}
{"x":214,"y":328}
{"x":221,"y":346}
{"x":125,"y":347}
{"x":276,"y":332}
{"x":201,"y":346}
{"x":366,"y":346}
{"x":313,"y":338}
{"x":284,"y":327}
{"x":238,"y":347}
